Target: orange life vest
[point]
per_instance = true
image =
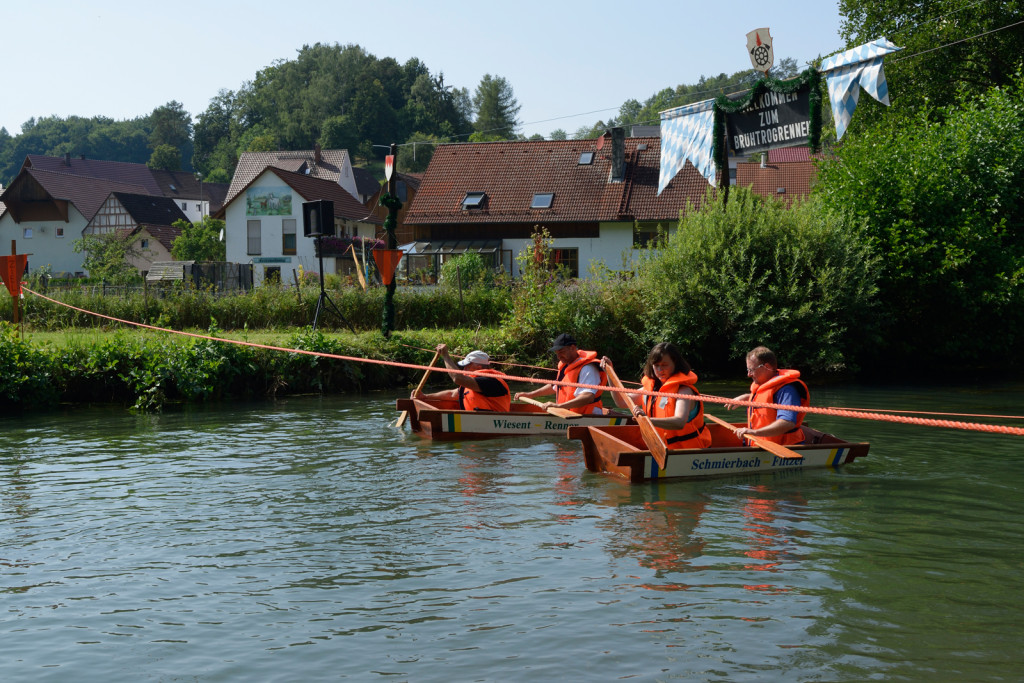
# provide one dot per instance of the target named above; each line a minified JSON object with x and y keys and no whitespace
{"x":764,"y":393}
{"x":474,"y":400}
{"x":571,"y":373}
{"x":695,"y":434}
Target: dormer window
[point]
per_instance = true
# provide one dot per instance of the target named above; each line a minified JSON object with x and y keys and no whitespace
{"x":474,"y":200}
{"x":586,"y":158}
{"x":542,"y":200}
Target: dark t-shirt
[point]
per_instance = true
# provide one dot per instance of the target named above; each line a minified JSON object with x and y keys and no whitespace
{"x":489,"y":386}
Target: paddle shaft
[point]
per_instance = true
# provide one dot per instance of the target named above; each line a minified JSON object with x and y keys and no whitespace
{"x":554,"y":410}
{"x":770,"y":446}
{"x":419,"y":388}
{"x":647,"y":430}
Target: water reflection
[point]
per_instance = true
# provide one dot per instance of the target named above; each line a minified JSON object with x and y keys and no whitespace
{"x":308,"y":539}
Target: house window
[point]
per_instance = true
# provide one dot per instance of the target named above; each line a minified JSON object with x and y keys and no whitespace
{"x":144,"y":244}
{"x":474,"y":200}
{"x":60,"y":232}
{"x":567,"y":258}
{"x":402,"y":190}
{"x":586,"y":158}
{"x":253,"y":245}
{"x":184,"y":206}
{"x":288,"y":236}
{"x":542,"y":200}
{"x":272,"y":274}
{"x":26,"y":233}
{"x":199,"y":207}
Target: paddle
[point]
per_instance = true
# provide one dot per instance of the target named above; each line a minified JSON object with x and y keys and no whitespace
{"x":651,"y":437}
{"x":770,"y":446}
{"x":419,"y":388}
{"x":554,"y":410}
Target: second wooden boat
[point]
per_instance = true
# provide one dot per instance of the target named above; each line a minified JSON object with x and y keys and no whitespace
{"x":442,"y":420}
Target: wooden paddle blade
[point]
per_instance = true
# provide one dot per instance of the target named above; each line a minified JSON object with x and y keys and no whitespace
{"x":760,"y":442}
{"x":546,"y":405}
{"x":651,"y":437}
{"x":419,"y":388}
{"x":653,"y":440}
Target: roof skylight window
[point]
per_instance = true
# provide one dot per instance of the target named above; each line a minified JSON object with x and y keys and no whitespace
{"x":474,"y":200}
{"x":542,"y":200}
{"x":586,"y":158}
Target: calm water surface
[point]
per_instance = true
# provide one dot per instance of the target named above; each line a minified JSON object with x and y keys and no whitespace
{"x":311,"y":540}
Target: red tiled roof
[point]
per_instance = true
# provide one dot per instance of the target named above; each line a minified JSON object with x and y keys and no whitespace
{"x":795,"y":179}
{"x":87,"y":194}
{"x":510,"y":173}
{"x":123,"y":172}
{"x":788,"y":155}
{"x":346,"y":206}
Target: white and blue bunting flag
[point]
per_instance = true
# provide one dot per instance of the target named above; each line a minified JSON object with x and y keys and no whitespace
{"x":847,"y":72}
{"x":687,"y":134}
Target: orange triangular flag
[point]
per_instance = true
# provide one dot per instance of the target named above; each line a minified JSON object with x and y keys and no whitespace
{"x":387,"y":260}
{"x":11,"y":269}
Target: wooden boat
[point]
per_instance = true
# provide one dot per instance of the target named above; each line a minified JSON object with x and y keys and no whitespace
{"x":442,"y":420}
{"x":621,"y":451}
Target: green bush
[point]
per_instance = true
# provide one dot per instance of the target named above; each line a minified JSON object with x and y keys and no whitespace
{"x":749,"y":271}
{"x":26,"y":373}
{"x":468,"y":269}
{"x":941,"y":197}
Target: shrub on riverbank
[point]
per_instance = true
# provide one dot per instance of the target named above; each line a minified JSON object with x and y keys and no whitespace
{"x":265,"y":307}
{"x":149,"y":370}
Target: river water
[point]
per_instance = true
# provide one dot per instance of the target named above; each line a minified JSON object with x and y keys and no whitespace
{"x":309,"y":539}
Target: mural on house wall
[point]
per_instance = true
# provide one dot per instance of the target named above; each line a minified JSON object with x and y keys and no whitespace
{"x":268,"y":201}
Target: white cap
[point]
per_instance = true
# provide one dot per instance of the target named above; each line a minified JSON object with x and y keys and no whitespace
{"x":475,"y":357}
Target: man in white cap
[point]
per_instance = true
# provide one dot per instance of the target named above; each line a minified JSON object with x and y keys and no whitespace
{"x":480,"y":390}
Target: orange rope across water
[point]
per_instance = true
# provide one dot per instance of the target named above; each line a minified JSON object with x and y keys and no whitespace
{"x":860,"y":414}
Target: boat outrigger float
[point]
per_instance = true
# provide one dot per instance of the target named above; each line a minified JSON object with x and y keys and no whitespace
{"x":621,"y":451}
{"x":441,"y":419}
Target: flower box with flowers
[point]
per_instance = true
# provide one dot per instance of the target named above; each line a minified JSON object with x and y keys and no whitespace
{"x":338,"y":246}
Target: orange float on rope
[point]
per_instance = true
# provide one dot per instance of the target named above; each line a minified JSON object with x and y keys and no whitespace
{"x":387,"y":260}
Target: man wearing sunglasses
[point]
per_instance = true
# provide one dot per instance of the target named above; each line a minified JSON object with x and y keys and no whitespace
{"x":770,"y":384}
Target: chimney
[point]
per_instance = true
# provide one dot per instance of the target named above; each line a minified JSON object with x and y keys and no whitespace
{"x":618,"y":155}
{"x":316,"y":153}
{"x":67,"y":158}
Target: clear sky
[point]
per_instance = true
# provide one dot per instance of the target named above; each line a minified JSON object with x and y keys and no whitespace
{"x":569,"y":62}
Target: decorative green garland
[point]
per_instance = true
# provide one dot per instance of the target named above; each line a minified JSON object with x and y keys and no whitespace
{"x":723,"y":105}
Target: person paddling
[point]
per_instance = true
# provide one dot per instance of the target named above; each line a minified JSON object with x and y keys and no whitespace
{"x":477,"y":391}
{"x":679,"y":422}
{"x":577,"y":367}
{"x":770,"y":384}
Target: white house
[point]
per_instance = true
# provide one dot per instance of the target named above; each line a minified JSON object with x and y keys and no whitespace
{"x":263,"y":223}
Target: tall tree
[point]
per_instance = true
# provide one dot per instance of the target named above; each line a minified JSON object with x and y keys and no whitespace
{"x":165,"y":158}
{"x":171,"y":125}
{"x":496,"y":108}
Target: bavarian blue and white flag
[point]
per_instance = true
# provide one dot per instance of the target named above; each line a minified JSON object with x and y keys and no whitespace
{"x":687,"y":134}
{"x":847,"y":72}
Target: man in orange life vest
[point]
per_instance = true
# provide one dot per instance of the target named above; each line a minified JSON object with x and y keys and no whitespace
{"x":477,"y":391}
{"x":578,"y":367}
{"x":769,"y":384}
